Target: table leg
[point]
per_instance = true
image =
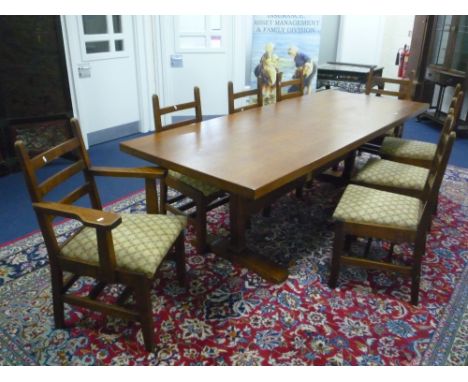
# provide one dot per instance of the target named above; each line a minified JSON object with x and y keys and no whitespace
{"x":238,"y":215}
{"x":236,"y":249}
{"x":349,"y":165}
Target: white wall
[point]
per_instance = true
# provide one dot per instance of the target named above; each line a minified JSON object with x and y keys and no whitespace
{"x":359,"y":40}
{"x":397,"y":32}
{"x":373,"y":40}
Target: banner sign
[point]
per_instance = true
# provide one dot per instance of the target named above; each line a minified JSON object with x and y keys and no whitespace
{"x":287,"y":44}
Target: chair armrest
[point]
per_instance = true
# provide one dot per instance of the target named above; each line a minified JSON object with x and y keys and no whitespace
{"x":88,"y":216}
{"x":122,"y":172}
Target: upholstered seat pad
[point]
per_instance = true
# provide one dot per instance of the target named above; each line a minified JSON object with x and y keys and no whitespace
{"x":141,"y":242}
{"x":405,"y":148}
{"x":204,"y":188}
{"x":364,"y":205}
{"x":383,"y":172}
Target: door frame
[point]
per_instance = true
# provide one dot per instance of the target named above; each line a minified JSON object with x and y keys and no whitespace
{"x":149,"y":55}
{"x":237,"y":35}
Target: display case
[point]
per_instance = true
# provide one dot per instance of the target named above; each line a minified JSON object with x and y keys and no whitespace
{"x":446,"y":62}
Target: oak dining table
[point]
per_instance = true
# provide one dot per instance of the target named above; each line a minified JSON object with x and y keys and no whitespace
{"x":259,"y":154}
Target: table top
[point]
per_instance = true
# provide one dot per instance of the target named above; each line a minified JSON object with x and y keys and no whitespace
{"x":254,"y":152}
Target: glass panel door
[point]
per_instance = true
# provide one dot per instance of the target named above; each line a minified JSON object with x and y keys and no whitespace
{"x":460,"y":55}
{"x":441,"y":39}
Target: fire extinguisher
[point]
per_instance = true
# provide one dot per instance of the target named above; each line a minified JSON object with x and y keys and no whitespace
{"x":402,"y":59}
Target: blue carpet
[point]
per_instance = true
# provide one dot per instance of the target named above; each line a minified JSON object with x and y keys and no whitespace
{"x":17,"y":217}
{"x":429,"y":131}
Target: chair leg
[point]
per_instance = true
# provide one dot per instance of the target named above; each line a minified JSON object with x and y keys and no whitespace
{"x":57,"y":287}
{"x":435,"y":205}
{"x":143,"y":302}
{"x":200,"y":227}
{"x":419,"y":250}
{"x":180,"y":260}
{"x":163,"y":196}
{"x":337,"y":250}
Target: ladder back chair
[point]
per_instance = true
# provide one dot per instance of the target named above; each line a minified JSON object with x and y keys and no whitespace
{"x":398,"y":177}
{"x":202,"y":196}
{"x":295,"y":87}
{"x":405,"y":90}
{"x":109,"y":247}
{"x":367,"y":212}
{"x":232,"y":97}
{"x":414,"y":152}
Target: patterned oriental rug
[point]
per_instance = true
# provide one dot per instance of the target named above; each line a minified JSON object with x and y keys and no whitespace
{"x":230,"y":316}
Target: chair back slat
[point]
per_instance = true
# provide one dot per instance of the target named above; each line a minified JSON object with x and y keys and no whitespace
{"x":30,"y":165}
{"x":64,"y":148}
{"x":296,"y":87}
{"x":76,"y":194}
{"x":232,"y":97}
{"x":50,"y":183}
{"x":158,"y":112}
{"x":405,"y":91}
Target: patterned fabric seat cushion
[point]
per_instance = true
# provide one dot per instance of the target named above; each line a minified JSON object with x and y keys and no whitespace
{"x":383,"y":172}
{"x":206,"y":189}
{"x":141,"y":242}
{"x":364,"y":205}
{"x":405,"y":148}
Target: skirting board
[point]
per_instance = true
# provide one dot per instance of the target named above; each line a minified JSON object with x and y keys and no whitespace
{"x":111,"y":133}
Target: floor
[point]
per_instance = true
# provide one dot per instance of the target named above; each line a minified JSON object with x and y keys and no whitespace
{"x":17,"y":217}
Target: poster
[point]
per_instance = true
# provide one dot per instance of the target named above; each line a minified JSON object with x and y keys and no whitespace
{"x":288,"y":44}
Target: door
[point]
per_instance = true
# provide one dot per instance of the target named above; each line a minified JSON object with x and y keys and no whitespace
{"x":197,"y":51}
{"x":102,"y":72}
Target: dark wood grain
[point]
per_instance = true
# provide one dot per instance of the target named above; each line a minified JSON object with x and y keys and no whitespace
{"x":258,"y":153}
{"x":105,"y":270}
{"x":254,"y":152}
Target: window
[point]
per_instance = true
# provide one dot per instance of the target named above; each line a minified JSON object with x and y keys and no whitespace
{"x":102,"y":37}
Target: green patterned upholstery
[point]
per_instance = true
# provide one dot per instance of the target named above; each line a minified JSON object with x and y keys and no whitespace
{"x":405,"y":148}
{"x":364,"y":205}
{"x":383,"y":172}
{"x":141,"y":242}
{"x":205,"y":189}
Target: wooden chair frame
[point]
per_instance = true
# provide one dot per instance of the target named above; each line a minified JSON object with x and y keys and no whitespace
{"x":104,"y":222}
{"x":202,"y":203}
{"x":454,"y":110}
{"x":280,"y":84}
{"x":345,"y":231}
{"x":422,"y":194}
{"x":232,"y":97}
{"x":405,"y":91}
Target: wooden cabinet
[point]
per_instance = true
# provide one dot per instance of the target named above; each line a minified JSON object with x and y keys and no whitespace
{"x":440,"y":57}
{"x":449,"y":48}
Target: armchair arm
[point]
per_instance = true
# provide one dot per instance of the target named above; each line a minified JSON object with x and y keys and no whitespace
{"x":88,"y":216}
{"x":135,"y":172}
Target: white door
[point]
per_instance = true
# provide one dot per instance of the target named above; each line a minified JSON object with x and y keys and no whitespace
{"x":197,"y":51}
{"x":102,"y":74}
